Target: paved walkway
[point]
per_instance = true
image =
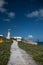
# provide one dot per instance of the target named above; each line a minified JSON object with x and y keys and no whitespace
{"x":19,"y":57}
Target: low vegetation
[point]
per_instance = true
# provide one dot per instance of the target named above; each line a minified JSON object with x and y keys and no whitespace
{"x":5,"y":51}
{"x":35,"y":51}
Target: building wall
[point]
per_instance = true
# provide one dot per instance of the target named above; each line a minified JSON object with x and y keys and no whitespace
{"x":18,"y":38}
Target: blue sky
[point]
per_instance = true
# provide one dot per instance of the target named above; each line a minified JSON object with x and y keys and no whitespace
{"x":23,"y":17}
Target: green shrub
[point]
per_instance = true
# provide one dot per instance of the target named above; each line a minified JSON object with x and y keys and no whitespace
{"x":35,"y":50}
{"x":5,"y":52}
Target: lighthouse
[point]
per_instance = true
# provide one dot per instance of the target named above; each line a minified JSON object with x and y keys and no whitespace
{"x":8,"y":35}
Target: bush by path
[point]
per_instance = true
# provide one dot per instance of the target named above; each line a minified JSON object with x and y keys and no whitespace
{"x":5,"y":52}
{"x":35,"y":51}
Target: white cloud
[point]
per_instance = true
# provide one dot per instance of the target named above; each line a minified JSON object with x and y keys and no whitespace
{"x":2,"y":2}
{"x":6,"y":20}
{"x":2,"y":10}
{"x":37,"y":13}
{"x":41,"y":12}
{"x":30,"y":36}
{"x":11,"y":14}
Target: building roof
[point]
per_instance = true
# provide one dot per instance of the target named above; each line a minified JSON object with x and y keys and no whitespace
{"x":18,"y":37}
{"x":1,"y":35}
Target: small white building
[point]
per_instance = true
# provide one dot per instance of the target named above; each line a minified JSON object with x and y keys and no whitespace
{"x":1,"y":35}
{"x":34,"y":43}
{"x":18,"y":38}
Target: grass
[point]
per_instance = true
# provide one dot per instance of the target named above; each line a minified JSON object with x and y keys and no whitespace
{"x":5,"y":51}
{"x":35,"y":51}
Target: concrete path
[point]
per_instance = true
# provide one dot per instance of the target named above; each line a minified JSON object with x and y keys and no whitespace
{"x":19,"y":57}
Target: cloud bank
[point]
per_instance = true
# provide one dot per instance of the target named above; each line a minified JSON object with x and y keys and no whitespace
{"x":11,"y":14}
{"x":4,"y":10}
{"x":2,"y":2}
{"x":6,"y":20}
{"x":30,"y":36}
{"x":37,"y":13}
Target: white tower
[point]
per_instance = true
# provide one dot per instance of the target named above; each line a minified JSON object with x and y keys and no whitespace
{"x":8,"y":36}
